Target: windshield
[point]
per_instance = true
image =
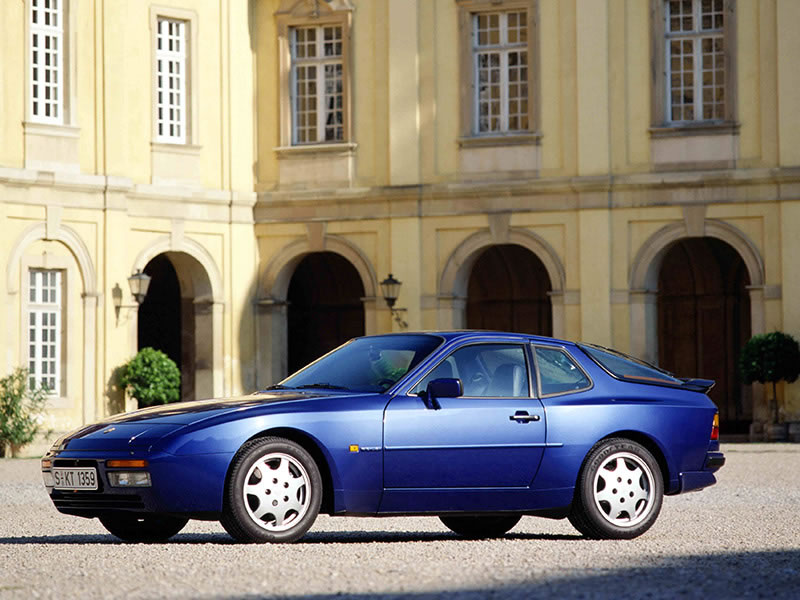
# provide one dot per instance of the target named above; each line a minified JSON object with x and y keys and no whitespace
{"x":368,"y":364}
{"x":627,"y":367}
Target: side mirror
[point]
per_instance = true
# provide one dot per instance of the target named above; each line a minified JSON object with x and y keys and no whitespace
{"x":441,"y":388}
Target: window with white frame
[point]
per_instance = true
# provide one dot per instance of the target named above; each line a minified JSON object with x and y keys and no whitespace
{"x":500,"y":51}
{"x":44,"y":329}
{"x":46,"y":61}
{"x":695,"y":60}
{"x":317,"y":85}
{"x":171,"y":74}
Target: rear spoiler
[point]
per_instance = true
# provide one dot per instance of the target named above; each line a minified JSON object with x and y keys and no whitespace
{"x":698,"y":385}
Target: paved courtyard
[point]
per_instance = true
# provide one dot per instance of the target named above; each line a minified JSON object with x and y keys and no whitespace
{"x":739,"y":539}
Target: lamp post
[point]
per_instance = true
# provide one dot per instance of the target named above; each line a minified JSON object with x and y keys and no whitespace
{"x":390,"y":287}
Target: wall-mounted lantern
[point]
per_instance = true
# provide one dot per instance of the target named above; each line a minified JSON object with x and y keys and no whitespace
{"x":390,"y":287}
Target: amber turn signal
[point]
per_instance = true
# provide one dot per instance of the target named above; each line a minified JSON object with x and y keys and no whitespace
{"x":126,"y":464}
{"x":47,"y":463}
{"x":715,"y":428}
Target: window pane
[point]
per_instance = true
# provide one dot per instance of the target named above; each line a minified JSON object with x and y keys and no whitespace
{"x":170,"y":68}
{"x":485,"y":371}
{"x":558,"y":373}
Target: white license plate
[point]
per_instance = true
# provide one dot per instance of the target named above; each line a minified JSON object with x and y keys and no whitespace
{"x":75,"y":479}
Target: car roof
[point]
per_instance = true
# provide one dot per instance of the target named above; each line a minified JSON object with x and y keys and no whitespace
{"x":481,"y":334}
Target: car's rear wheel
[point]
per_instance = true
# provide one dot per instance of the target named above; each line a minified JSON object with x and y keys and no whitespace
{"x":273,"y":494}
{"x":480,"y":526}
{"x":143,"y":528}
{"x":619,"y":491}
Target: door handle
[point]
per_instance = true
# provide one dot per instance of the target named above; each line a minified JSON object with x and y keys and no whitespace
{"x":522,"y":416}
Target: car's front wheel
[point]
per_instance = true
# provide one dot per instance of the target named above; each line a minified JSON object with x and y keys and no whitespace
{"x":274,"y":492}
{"x":619,"y":491}
{"x":143,"y":528}
{"x":480,"y":526}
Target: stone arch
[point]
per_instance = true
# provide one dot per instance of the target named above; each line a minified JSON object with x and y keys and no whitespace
{"x":273,"y":287}
{"x":275,"y":278}
{"x":454,"y":279}
{"x":201,"y":286}
{"x":643,"y":280}
{"x":89,"y":292}
{"x":206,"y":283}
{"x":67,"y":236}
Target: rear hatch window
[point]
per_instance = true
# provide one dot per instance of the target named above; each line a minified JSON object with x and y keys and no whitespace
{"x":626,"y":367}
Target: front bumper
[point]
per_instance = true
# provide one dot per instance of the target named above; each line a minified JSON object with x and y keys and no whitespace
{"x":186,"y":485}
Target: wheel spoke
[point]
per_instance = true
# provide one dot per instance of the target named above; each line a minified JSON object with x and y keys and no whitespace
{"x":623,"y":485}
{"x":281,"y":494}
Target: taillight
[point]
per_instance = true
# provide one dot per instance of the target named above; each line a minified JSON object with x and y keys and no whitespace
{"x":715,"y":428}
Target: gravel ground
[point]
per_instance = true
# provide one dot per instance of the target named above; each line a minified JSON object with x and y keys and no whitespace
{"x":738,"y":539}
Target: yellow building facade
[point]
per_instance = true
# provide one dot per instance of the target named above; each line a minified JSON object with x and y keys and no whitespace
{"x":624,"y":172}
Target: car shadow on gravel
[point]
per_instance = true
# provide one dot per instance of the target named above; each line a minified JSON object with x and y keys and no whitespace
{"x":321,"y":537}
{"x":769,"y":574}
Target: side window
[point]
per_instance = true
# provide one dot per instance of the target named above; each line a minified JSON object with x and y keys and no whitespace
{"x":485,"y":371}
{"x":558,"y":373}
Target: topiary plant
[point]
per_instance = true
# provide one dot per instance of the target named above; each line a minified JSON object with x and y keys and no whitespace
{"x":152,"y":378}
{"x":21,"y":409}
{"x":770,"y":358}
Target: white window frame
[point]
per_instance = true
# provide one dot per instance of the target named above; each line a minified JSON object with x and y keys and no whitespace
{"x":171,"y":74}
{"x":696,"y":36}
{"x":319,"y":61}
{"x":45,"y":339}
{"x":503,"y":49}
{"x":42,"y":33}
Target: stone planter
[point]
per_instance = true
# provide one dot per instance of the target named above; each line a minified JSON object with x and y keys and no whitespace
{"x":777,"y":432}
{"x":794,"y":432}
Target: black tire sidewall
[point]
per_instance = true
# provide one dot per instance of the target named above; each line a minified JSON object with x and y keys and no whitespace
{"x":236,"y":518}
{"x":589,"y":515}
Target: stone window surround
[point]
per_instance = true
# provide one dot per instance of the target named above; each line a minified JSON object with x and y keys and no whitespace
{"x":47,"y":262}
{"x":192,"y":112}
{"x":660,"y":125}
{"x":54,"y":146}
{"x":466,"y":11}
{"x":296,"y":14}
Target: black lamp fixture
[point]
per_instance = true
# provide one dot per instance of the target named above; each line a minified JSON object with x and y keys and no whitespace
{"x":390,"y":287}
{"x":139,"y":283}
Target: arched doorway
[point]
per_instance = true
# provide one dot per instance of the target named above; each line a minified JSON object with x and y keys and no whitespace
{"x":159,"y":322}
{"x":704,"y":320}
{"x":176,"y":317}
{"x":325,"y":307}
{"x":508,"y":291}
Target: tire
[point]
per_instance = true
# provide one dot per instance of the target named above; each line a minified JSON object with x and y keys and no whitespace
{"x":280,"y":507}
{"x":476,"y":527}
{"x":143,"y":528}
{"x":619,"y":491}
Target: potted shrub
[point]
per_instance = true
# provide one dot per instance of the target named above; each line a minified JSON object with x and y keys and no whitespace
{"x":770,"y":358}
{"x":21,"y":410}
{"x":151,"y":377}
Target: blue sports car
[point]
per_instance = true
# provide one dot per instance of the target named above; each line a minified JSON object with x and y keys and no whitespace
{"x":477,"y":428}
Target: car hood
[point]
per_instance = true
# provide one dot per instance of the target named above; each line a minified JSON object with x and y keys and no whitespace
{"x":141,"y":428}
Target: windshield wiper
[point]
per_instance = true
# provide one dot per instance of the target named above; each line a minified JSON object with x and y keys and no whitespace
{"x":327,"y":386}
{"x":278,"y":386}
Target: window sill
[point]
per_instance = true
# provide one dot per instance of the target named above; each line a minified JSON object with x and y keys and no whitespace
{"x":51,"y":129}
{"x":174,"y":148}
{"x":510,"y":139}
{"x":304,"y":150}
{"x":695,"y":129}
